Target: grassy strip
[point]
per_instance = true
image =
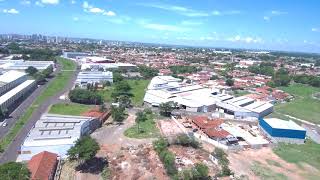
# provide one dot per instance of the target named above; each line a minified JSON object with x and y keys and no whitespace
{"x":56,"y":85}
{"x":148,"y":129}
{"x":304,"y":153}
{"x":69,"y":109}
{"x":303,"y":106}
{"x":138,"y":91}
{"x":266,"y":173}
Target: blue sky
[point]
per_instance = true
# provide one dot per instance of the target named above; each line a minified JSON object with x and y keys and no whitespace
{"x":270,"y":24}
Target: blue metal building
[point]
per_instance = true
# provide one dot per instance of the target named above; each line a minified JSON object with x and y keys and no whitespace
{"x":283,"y":131}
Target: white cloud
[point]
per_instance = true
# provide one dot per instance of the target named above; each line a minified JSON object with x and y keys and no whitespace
{"x":73,"y":1}
{"x":216,"y":13}
{"x":75,"y":19}
{"x":267,"y":18}
{"x":315,"y":29}
{"x":248,"y":39}
{"x":109,"y":13}
{"x":10,"y":11}
{"x":119,"y":20}
{"x":177,"y":9}
{"x":38,"y":3}
{"x":25,"y":2}
{"x":89,"y":8}
{"x":50,"y":1}
{"x":275,"y":12}
{"x":223,"y":13}
{"x":164,"y":27}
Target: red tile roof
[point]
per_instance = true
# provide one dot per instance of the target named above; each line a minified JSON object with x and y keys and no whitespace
{"x":205,"y":123}
{"x":42,"y":165}
{"x":216,"y":133}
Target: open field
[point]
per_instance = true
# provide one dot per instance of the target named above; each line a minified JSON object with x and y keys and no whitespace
{"x":69,"y":109}
{"x":266,"y":164}
{"x":61,"y":79}
{"x":304,"y":106}
{"x":148,"y":129}
{"x":138,"y":91}
{"x":305,"y":153}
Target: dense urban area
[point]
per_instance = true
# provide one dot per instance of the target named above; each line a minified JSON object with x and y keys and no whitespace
{"x":74,"y":108}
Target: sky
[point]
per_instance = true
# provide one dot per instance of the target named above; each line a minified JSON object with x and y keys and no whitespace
{"x":291,"y":25}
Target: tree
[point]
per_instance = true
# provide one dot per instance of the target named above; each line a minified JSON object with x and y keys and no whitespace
{"x":102,"y":107}
{"x":85,"y":96}
{"x":147,"y":72}
{"x":40,"y":78}
{"x":3,"y":113}
{"x":214,"y":77}
{"x":84,"y":149}
{"x":281,"y":77}
{"x":167,"y":108}
{"x":117,"y":77}
{"x":117,"y":114}
{"x":31,"y":70}
{"x":14,"y":170}
{"x":229,"y":82}
{"x":140,"y":117}
{"x":200,"y":171}
{"x":47,"y":72}
{"x":124,"y":101}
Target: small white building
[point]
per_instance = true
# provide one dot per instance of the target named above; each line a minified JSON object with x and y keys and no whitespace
{"x":92,"y":77}
{"x":54,"y":133}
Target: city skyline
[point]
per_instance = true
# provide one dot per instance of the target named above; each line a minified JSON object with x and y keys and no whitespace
{"x":285,"y":25}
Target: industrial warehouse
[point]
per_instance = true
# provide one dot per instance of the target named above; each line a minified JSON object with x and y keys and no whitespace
{"x":14,"y":86}
{"x":22,"y":65}
{"x":92,"y":77}
{"x":197,"y":98}
{"x":56,"y":134}
{"x":283,"y":131}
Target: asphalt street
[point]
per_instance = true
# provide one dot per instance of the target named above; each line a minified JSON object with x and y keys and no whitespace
{"x":11,"y":153}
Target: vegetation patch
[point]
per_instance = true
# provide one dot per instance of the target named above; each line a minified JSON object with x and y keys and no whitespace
{"x":273,"y":163}
{"x":304,"y":153}
{"x":55,"y":86}
{"x":266,"y":173}
{"x":303,"y":106}
{"x":69,"y":109}
{"x":138,"y":88}
{"x":145,"y":127}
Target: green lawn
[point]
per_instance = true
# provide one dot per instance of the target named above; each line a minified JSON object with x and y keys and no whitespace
{"x":265,"y":172}
{"x":306,"y":153}
{"x":148,"y":129}
{"x":56,"y":85}
{"x":303,"y":106}
{"x":238,"y":93}
{"x":138,"y":91}
{"x":69,"y":109}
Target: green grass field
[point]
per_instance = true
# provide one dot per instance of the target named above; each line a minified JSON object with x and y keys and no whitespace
{"x":56,"y":85}
{"x":69,"y":109}
{"x":305,"y":153}
{"x":265,"y":172}
{"x":148,"y":129}
{"x":303,"y":106}
{"x":138,"y":91}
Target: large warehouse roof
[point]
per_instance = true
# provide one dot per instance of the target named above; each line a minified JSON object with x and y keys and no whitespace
{"x":259,"y":106}
{"x":10,"y":76}
{"x":282,"y":124}
{"x":14,"y":91}
{"x":239,"y":101}
{"x":54,"y":129}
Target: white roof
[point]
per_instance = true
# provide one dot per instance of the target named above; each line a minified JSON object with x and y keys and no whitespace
{"x":14,"y":91}
{"x":238,"y":101}
{"x":52,"y":129}
{"x":282,"y":124}
{"x":11,"y":76}
{"x":259,"y":106}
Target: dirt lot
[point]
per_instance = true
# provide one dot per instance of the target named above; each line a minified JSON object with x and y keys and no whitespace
{"x":169,"y":128}
{"x":186,"y":157}
{"x":264,"y":164}
{"x":136,"y":162}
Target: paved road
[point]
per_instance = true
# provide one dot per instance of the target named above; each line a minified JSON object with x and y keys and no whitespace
{"x":11,"y":153}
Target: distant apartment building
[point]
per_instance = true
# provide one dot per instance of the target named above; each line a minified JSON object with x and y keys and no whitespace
{"x":74,"y":55}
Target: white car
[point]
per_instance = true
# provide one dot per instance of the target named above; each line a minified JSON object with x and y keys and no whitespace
{"x":4,"y":124}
